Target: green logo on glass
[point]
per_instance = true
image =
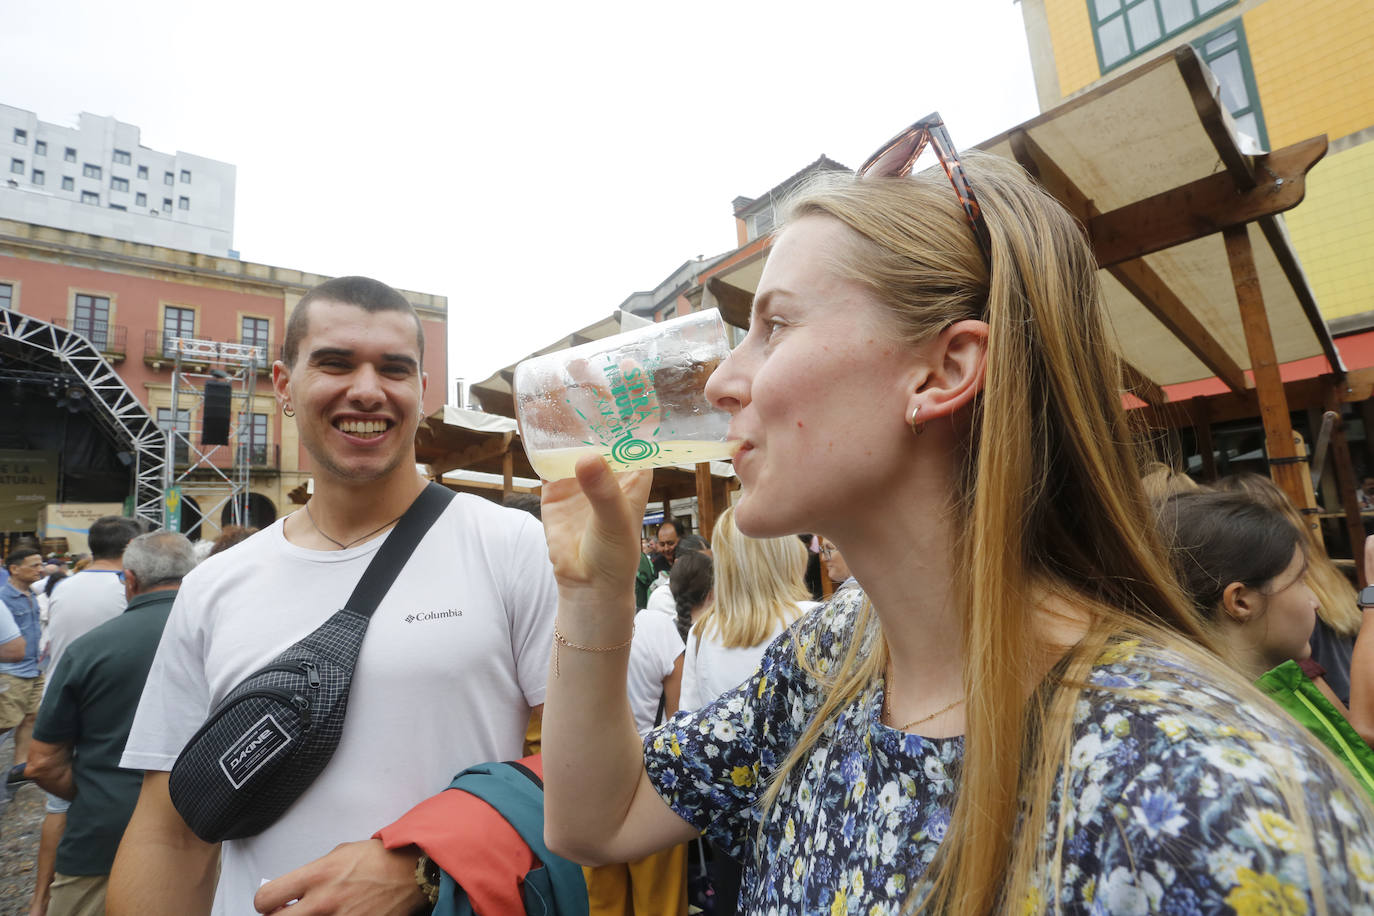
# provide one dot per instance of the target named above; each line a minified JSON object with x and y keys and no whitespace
{"x":631,"y":405}
{"x":630,"y":450}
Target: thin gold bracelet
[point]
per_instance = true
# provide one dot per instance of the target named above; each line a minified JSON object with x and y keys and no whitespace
{"x":560,"y":640}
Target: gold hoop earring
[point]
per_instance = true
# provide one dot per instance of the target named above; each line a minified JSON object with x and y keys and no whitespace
{"x":916,"y":428}
{"x":286,"y":411}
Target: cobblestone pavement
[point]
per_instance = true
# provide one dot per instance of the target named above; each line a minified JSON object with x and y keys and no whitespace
{"x":19,"y":827}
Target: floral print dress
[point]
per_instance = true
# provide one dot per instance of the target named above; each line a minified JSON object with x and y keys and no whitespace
{"x":1173,"y":803}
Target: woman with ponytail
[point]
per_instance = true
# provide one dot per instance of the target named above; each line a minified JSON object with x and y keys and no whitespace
{"x":1019,"y":710}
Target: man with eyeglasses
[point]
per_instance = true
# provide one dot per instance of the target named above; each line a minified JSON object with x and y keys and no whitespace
{"x":21,"y":683}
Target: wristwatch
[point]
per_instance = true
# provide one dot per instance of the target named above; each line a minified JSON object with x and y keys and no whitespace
{"x":1366,"y":599}
{"x":427,"y":877}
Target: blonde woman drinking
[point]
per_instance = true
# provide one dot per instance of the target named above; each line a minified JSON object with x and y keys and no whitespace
{"x":1011,"y":715}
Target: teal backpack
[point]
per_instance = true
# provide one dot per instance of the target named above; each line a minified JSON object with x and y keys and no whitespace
{"x":555,"y":887}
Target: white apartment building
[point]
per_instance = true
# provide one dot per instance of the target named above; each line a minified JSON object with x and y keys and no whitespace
{"x":97,"y":178}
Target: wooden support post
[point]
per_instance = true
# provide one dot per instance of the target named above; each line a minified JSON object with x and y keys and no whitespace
{"x":1202,"y":435}
{"x":1286,"y":471}
{"x":1308,"y":508}
{"x":1345,"y":485}
{"x":507,"y":473}
{"x":1367,"y":415}
{"x":720,"y":492}
{"x":706,"y":500}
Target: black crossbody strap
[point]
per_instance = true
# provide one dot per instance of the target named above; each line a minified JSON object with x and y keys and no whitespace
{"x":396,"y":550}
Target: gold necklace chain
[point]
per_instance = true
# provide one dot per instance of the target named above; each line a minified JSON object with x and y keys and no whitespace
{"x":915,"y":722}
{"x":887,"y":707}
{"x":341,"y":545}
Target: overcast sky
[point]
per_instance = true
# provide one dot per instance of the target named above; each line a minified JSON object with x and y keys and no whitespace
{"x":536,"y":162}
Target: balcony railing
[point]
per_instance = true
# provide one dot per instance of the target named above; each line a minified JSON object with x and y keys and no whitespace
{"x":110,"y":339}
{"x":160,"y":349}
{"x":160,"y":352}
{"x":261,"y":456}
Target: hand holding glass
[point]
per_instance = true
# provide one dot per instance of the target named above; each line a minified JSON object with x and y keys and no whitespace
{"x":637,"y":399}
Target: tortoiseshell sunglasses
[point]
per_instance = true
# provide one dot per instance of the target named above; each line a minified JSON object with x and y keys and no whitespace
{"x":895,"y":158}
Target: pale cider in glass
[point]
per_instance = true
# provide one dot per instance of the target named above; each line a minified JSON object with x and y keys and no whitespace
{"x":637,"y":399}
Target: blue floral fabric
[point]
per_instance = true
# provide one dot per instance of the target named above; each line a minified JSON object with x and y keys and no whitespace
{"x":1172,"y":786}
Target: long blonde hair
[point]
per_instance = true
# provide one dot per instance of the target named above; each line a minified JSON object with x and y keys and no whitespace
{"x":1049,"y":503}
{"x":1338,"y":605}
{"x":758,"y":585}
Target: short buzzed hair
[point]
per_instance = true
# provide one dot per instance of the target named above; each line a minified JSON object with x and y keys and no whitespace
{"x":159,"y":558}
{"x":364,"y":293}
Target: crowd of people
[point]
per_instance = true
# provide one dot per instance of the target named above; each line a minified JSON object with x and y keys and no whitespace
{"x":1033,"y":689}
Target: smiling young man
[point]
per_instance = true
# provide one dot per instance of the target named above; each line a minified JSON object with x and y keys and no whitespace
{"x":454,"y":660}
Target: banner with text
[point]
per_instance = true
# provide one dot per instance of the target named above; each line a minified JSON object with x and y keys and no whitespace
{"x":28,"y":482}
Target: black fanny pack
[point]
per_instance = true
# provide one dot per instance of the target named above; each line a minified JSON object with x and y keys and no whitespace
{"x":275,"y":732}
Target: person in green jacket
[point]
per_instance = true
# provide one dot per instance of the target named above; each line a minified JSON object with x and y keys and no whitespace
{"x":1244,"y":564}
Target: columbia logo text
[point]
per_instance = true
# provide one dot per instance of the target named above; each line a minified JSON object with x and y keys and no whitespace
{"x":433,"y":615}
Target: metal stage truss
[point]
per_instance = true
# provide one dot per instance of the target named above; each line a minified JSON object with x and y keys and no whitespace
{"x":195,"y":363}
{"x":118,"y":411}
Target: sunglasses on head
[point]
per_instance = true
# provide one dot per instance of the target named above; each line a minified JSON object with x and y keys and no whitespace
{"x":895,"y":158}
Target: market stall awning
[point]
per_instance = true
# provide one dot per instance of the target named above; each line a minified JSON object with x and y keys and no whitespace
{"x":1153,"y":165}
{"x":453,"y":438}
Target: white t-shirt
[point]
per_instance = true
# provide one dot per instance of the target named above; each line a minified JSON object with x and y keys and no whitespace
{"x":661,"y":600}
{"x":653,"y":653}
{"x":456,"y":654}
{"x":710,"y":669}
{"x":80,"y":604}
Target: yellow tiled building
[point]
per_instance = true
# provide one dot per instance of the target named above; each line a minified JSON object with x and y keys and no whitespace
{"x":1288,"y":69}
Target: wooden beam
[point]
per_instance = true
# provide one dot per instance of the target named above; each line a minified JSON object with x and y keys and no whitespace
{"x":1210,"y":113}
{"x":507,"y":472}
{"x":1051,"y":177}
{"x":1367,"y":415}
{"x":480,"y":452}
{"x":1142,"y":386}
{"x":1283,"y":251}
{"x":706,"y":500}
{"x":1278,"y":429}
{"x":1136,"y":276}
{"x":1345,"y":484}
{"x":1159,"y":300}
{"x":735,"y":304}
{"x":1203,"y":207}
{"x":1355,"y":387}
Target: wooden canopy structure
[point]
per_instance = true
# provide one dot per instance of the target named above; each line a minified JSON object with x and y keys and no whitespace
{"x":1199,"y":275}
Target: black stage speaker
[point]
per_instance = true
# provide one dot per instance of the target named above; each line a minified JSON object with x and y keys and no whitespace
{"x":218,"y":405}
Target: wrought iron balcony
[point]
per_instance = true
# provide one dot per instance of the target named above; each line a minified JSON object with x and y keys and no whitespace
{"x":160,"y":350}
{"x":261,"y":456}
{"x":110,"y":339}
